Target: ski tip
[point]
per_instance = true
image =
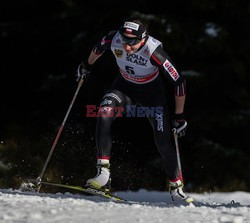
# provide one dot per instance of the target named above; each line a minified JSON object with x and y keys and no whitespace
{"x":118,"y":199}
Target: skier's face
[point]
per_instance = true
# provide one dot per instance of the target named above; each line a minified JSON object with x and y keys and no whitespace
{"x":130,"y":43}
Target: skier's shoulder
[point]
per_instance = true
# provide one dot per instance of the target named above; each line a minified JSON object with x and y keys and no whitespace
{"x":107,"y":39}
{"x":112,"y":32}
{"x":110,"y":35}
{"x":153,"y":41}
{"x":153,"y":44}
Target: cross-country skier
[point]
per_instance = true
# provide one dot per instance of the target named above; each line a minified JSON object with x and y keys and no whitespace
{"x":141,"y":60}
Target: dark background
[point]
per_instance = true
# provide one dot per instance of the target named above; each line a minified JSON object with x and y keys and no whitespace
{"x":42,"y":43}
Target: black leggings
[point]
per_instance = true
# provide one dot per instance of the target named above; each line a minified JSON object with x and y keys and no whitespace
{"x":119,"y":100}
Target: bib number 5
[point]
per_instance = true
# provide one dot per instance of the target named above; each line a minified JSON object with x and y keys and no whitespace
{"x":129,"y":70}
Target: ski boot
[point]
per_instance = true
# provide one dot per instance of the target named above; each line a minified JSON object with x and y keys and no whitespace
{"x":102,"y":180}
{"x":176,"y":192}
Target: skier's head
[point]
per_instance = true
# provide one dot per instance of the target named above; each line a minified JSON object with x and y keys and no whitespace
{"x":132,"y":31}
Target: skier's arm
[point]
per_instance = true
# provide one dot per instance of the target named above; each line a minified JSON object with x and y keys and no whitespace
{"x":161,"y":59}
{"x":179,"y":104}
{"x":85,"y":67}
{"x":93,"y":57}
{"x":101,"y":47}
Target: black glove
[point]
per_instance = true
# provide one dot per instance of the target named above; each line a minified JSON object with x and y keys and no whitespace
{"x":179,"y":124}
{"x":84,"y":70}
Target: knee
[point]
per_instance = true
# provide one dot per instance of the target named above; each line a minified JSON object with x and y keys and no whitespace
{"x":104,"y":121}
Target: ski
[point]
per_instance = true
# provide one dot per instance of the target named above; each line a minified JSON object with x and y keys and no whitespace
{"x":87,"y":190}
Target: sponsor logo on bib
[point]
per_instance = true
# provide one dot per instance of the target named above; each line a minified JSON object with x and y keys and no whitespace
{"x":118,"y":53}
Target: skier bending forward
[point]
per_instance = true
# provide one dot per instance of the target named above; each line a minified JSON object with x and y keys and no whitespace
{"x":140,"y":59}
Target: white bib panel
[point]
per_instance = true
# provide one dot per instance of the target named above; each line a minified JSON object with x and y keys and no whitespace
{"x":136,"y":67}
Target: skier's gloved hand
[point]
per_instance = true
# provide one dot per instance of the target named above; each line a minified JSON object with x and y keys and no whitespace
{"x":83,"y":70}
{"x":179,"y":124}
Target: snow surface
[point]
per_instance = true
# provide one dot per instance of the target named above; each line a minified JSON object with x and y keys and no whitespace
{"x":143,"y":206}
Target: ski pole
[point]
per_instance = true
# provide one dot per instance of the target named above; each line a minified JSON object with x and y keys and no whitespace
{"x":177,"y":152}
{"x":58,"y":134}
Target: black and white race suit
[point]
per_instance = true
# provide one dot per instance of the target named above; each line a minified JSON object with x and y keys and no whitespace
{"x":140,"y":83}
